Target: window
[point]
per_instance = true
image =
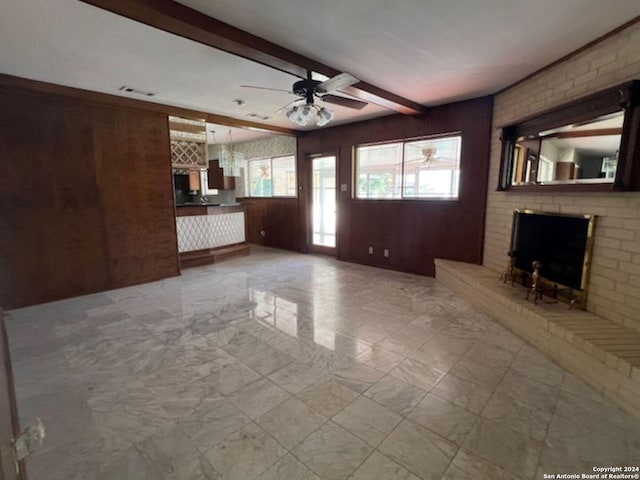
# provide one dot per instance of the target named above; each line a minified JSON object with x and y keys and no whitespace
{"x":284,"y":176}
{"x":204,"y":184}
{"x":272,"y":177}
{"x":426,"y":168}
{"x":259,"y":178}
{"x":432,"y":168}
{"x":379,"y":170}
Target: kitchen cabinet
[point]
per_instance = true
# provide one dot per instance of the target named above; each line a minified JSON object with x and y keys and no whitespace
{"x":217,"y":179}
{"x":194,"y":180}
{"x":566,"y":171}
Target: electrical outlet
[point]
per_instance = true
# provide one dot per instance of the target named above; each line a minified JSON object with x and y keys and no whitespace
{"x":343,"y":187}
{"x":386,"y":253}
{"x":370,"y":250}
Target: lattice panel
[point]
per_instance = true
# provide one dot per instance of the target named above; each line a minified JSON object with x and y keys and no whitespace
{"x":188,"y":153}
{"x":197,"y":232}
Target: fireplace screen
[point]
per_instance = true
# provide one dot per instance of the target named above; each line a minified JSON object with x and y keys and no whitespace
{"x":560,"y":243}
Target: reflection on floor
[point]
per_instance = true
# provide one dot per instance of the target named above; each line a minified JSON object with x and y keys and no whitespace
{"x":324,"y":239}
{"x":287,"y":366}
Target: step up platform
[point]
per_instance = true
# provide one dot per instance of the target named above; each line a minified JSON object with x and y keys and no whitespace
{"x":604,"y":354}
{"x":208,"y":256}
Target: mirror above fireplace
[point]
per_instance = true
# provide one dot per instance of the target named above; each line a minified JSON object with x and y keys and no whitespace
{"x":589,"y":144}
{"x":586,"y":152}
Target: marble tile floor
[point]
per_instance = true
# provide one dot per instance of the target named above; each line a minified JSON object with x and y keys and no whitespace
{"x":287,"y":366}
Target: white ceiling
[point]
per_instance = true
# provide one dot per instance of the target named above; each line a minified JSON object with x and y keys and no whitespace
{"x":601,"y":145}
{"x":591,"y":145}
{"x":428,"y":51}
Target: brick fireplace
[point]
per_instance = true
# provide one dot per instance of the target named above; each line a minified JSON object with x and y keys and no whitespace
{"x":614,"y":291}
{"x":589,"y":342}
{"x":604,"y":354}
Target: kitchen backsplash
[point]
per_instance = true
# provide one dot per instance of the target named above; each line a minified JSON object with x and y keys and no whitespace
{"x":223,"y":196}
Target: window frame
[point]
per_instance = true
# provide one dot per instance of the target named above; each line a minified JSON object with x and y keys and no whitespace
{"x":356,"y":175}
{"x":247,"y":179}
{"x":403,"y":143}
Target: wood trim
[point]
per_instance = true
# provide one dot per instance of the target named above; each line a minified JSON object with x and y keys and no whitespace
{"x":372,"y":94}
{"x":9,"y":370}
{"x":35,"y":87}
{"x":208,"y":256}
{"x":587,"y":133}
{"x":277,"y":217}
{"x":565,"y":187}
{"x":322,"y":250}
{"x":187,"y":127}
{"x":182,"y":211}
{"x":7,"y":373}
{"x":191,"y":210}
{"x":575,"y":52}
{"x":188,"y":23}
{"x":86,"y":236}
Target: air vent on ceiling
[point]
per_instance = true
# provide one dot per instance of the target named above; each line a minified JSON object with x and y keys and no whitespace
{"x":255,"y":115}
{"x":135,"y":91}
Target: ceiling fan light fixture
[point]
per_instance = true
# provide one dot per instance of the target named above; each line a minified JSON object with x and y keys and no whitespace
{"x":305,"y":113}
{"x":302,"y":115}
{"x":292,"y":114}
{"x":324,"y":116}
{"x":295,"y":115}
{"x":308,"y":89}
{"x":229,"y":159}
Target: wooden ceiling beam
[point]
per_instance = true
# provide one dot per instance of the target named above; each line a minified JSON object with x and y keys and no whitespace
{"x":175,"y":18}
{"x":599,"y":132}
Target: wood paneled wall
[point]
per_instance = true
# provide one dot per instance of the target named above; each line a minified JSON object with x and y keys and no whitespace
{"x":278,"y":217}
{"x":86,"y":197}
{"x":414,"y":231}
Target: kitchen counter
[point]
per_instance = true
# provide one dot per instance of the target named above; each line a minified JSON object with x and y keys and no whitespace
{"x":201,"y":204}
{"x":210,"y":232}
{"x":189,"y":209}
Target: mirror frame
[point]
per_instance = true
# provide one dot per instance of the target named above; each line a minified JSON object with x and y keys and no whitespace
{"x":625,"y":96}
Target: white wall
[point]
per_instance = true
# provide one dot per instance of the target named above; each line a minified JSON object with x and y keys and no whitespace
{"x":615,"y":276}
{"x":567,"y":155}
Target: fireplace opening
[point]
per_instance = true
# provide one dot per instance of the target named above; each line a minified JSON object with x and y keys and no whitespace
{"x":550,"y":253}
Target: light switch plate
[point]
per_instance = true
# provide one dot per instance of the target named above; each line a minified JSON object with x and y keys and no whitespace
{"x":343,"y":187}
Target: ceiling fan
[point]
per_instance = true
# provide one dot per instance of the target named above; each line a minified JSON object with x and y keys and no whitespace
{"x":308,"y":89}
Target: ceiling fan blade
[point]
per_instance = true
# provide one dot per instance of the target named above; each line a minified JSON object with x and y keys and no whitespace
{"x":282,"y":109}
{"x":344,"y":102}
{"x":335,"y":83}
{"x":266,"y":88}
